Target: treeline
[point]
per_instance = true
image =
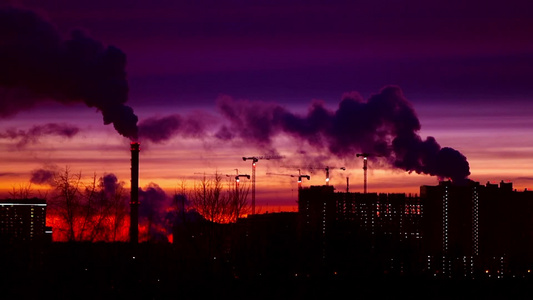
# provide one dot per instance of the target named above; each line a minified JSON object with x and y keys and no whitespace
{"x":97,"y":208}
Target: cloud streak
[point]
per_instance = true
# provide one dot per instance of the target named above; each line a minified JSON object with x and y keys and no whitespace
{"x":32,"y":135}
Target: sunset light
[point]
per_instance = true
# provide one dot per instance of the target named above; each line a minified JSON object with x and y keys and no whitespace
{"x":301,"y":142}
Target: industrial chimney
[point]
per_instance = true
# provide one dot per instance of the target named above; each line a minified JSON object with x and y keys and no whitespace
{"x":134,"y":202}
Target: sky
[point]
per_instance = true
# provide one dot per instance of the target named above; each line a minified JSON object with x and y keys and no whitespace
{"x":315,"y":82}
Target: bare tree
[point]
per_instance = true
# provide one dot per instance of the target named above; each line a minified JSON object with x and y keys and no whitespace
{"x":21,"y":192}
{"x":209,"y":199}
{"x":180,"y":201}
{"x":67,"y":202}
{"x":217,"y":204}
{"x":92,"y":211}
{"x":238,"y":195}
{"x":105,"y":208}
{"x":117,"y":211}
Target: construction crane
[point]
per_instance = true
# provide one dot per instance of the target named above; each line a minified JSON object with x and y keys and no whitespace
{"x":237,"y":179}
{"x":212,"y":174}
{"x":331,"y":168}
{"x":365,"y":157}
{"x":299,"y":176}
{"x":227,"y":175}
{"x":327,"y":169}
{"x":254,"y":160}
{"x":365,"y":167}
{"x":239,"y":176}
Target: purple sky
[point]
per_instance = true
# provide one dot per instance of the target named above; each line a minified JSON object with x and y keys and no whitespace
{"x":299,"y":50}
{"x":466,"y":66}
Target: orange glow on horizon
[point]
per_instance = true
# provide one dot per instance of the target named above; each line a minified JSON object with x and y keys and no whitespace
{"x":175,"y":162}
{"x":60,"y":230}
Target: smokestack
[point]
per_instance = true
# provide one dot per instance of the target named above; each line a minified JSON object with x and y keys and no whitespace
{"x":134,"y":202}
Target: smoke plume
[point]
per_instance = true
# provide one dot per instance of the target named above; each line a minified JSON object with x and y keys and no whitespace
{"x":384,"y":126}
{"x":110,"y":184}
{"x":38,"y":65}
{"x":33,"y":134}
{"x":251,"y":121}
{"x":153,"y":201}
{"x":161,"y":129}
{"x":44,"y":176}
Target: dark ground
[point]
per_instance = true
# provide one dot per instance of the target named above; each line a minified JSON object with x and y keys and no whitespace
{"x":91,"y":271}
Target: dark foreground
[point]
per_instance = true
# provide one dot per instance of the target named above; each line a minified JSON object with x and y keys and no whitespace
{"x":81,"y":287}
{"x":88,"y":271}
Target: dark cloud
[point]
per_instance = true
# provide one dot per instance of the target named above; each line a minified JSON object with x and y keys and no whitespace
{"x":385,"y":125}
{"x":224,"y":133}
{"x":153,"y":198}
{"x":181,"y":213}
{"x":162,"y":129}
{"x":153,"y":202}
{"x":253,"y":122}
{"x":39,"y":65}
{"x":110,"y":183}
{"x":44,"y":176}
{"x":33,"y":134}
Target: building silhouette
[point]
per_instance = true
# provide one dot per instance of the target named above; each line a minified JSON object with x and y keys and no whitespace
{"x":361,"y":233}
{"x":267,"y":245}
{"x":23,"y":220}
{"x":473,"y":230}
{"x":451,"y":230}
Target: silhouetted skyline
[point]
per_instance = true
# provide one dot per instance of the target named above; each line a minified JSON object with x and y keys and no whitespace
{"x":205,"y":80}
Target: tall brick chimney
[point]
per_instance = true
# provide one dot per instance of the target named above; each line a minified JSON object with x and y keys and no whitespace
{"x":134,"y":202}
